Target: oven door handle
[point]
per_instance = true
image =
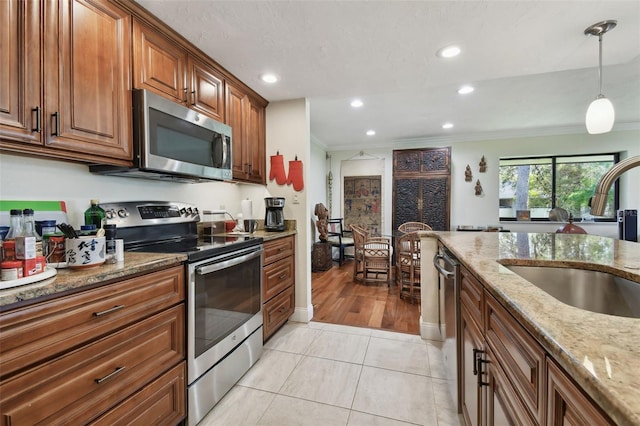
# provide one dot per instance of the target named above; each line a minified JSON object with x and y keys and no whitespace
{"x":227,"y":261}
{"x":436,"y":263}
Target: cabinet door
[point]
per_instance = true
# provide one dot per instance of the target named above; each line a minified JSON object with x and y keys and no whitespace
{"x":566,"y":404}
{"x":206,"y":90}
{"x":503,"y":405}
{"x":434,"y":202}
{"x":87,"y":50}
{"x":257,"y":141}
{"x":20,"y":71}
{"x":235,"y":103}
{"x":472,"y":345}
{"x":246,"y":116}
{"x":159,"y":64}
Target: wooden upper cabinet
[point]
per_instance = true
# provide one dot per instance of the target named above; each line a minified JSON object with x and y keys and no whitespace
{"x":80,"y":108}
{"x":206,"y":89}
{"x":87,"y":50}
{"x":166,"y":68}
{"x":432,"y":160}
{"x":159,"y":64}
{"x":20,"y":71}
{"x":246,"y":116}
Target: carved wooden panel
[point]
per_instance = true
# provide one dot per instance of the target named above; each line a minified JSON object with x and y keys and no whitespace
{"x":421,"y":187}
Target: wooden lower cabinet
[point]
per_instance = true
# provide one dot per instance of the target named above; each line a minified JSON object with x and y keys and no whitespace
{"x":506,"y":376}
{"x":278,"y":284}
{"x":103,"y":350}
{"x":567,"y":404}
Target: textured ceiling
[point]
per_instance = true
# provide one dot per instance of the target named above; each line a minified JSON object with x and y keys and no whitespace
{"x":534,"y":70}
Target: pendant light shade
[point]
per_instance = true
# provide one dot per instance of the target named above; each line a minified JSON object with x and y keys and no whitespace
{"x":600,"y":114}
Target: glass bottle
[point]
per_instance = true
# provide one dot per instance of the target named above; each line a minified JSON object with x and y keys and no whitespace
{"x":94,"y":215}
{"x":30,"y":229}
{"x":15,"y":225}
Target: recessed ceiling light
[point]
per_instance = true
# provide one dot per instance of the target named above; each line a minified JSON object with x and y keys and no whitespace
{"x":356,"y":103}
{"x":465,"y":90}
{"x":448,"y":52}
{"x":447,"y":125}
{"x":269,"y":78}
{"x":371,"y":132}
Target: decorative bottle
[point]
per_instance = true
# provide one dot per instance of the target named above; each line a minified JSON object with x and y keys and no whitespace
{"x":30,"y":229}
{"x":15,"y":225}
{"x":94,"y":215}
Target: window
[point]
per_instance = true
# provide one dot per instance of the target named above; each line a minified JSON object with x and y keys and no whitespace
{"x":539,"y":184}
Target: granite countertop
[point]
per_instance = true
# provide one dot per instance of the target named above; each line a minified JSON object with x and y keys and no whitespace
{"x":601,"y":352}
{"x":68,"y":280}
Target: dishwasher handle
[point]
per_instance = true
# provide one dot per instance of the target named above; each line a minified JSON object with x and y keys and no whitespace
{"x":441,"y":270}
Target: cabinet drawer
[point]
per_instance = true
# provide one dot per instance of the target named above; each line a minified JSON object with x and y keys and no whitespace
{"x":276,"y":277}
{"x":162,"y":402}
{"x":278,"y":249}
{"x":277,"y":311}
{"x":471,"y":295}
{"x":522,"y":358}
{"x":83,"y":384}
{"x":34,"y":333}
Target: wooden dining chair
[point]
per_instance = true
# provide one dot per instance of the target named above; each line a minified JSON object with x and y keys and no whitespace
{"x":339,"y":237}
{"x":360,"y":235}
{"x":413,"y":226}
{"x":408,"y":266}
{"x":376,"y":260}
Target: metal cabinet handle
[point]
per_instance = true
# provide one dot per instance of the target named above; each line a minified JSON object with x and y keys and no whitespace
{"x":439,"y":267}
{"x":110,"y":375}
{"x":193,"y":97}
{"x":186,"y":95}
{"x":477,"y":366}
{"x":283,"y":276}
{"x":108,"y":311}
{"x":56,"y":121}
{"x":38,"y":127}
{"x":476,"y":352}
{"x":282,"y":309}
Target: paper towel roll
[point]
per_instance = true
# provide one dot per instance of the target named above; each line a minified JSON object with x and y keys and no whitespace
{"x":247,"y":209}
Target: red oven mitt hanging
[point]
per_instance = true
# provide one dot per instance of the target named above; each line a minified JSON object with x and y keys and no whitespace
{"x":277,"y":169}
{"x":295,"y":175}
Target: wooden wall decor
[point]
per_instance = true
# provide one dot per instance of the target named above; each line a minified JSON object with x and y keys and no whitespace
{"x":483,"y":165}
{"x":467,"y":174}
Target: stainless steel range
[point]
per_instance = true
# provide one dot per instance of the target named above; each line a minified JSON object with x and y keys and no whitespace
{"x":224,"y":282}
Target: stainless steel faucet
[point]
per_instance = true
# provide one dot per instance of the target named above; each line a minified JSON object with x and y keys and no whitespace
{"x":599,"y":198}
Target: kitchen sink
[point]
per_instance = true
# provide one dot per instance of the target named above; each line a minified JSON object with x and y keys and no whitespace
{"x":590,"y":290}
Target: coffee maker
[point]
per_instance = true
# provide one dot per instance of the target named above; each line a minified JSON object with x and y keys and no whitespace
{"x":274,"y":218}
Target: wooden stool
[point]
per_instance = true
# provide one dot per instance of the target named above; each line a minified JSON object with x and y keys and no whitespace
{"x":321,"y":257}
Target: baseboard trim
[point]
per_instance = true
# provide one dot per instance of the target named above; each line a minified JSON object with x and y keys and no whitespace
{"x":302,"y":314}
{"x":430,"y":331}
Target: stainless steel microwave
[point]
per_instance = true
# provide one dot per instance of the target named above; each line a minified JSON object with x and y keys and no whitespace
{"x":173,"y":142}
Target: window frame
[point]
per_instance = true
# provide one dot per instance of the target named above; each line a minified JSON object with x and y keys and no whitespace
{"x":553,"y":158}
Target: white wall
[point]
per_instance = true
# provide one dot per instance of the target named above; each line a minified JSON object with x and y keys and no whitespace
{"x":468,"y":209}
{"x":26,"y":178}
{"x":317,"y":183}
{"x":288,"y":131}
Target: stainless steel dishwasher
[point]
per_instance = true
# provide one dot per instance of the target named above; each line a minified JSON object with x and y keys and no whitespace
{"x":449,"y":279}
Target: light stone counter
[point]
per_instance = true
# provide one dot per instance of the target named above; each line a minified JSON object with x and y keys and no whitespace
{"x":69,"y":280}
{"x":601,"y":352}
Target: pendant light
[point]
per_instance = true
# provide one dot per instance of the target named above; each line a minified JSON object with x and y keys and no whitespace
{"x":600,"y":115}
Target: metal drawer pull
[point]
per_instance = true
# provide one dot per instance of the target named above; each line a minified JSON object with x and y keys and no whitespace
{"x":38,"y":127}
{"x":110,"y":375}
{"x":282,"y":309}
{"x":56,"y":120}
{"x":108,"y":311}
{"x":283,"y":276}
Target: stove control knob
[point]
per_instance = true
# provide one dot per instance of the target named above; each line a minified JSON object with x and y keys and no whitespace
{"x":123,"y":213}
{"x":183,"y":211}
{"x":110,"y":214}
{"x":189,"y":211}
{"x":195,"y":211}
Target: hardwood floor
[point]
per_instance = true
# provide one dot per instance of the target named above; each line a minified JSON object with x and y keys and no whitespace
{"x":337,"y":299}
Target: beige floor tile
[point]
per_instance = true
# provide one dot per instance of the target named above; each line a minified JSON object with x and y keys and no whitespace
{"x":254,"y":403}
{"x":445,"y":406}
{"x":323,"y":380}
{"x":287,"y":411}
{"x":383,"y":334}
{"x":400,"y":396}
{"x":348,"y":329}
{"x":339,"y":347}
{"x":292,"y":338}
{"x":357,"y":418}
{"x":398,"y":355}
{"x":271,"y":370}
{"x":436,"y":360}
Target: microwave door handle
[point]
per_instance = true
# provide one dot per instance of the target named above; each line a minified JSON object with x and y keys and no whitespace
{"x":225,"y":146}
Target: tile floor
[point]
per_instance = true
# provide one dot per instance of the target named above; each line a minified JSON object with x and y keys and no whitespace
{"x":324,"y":374}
